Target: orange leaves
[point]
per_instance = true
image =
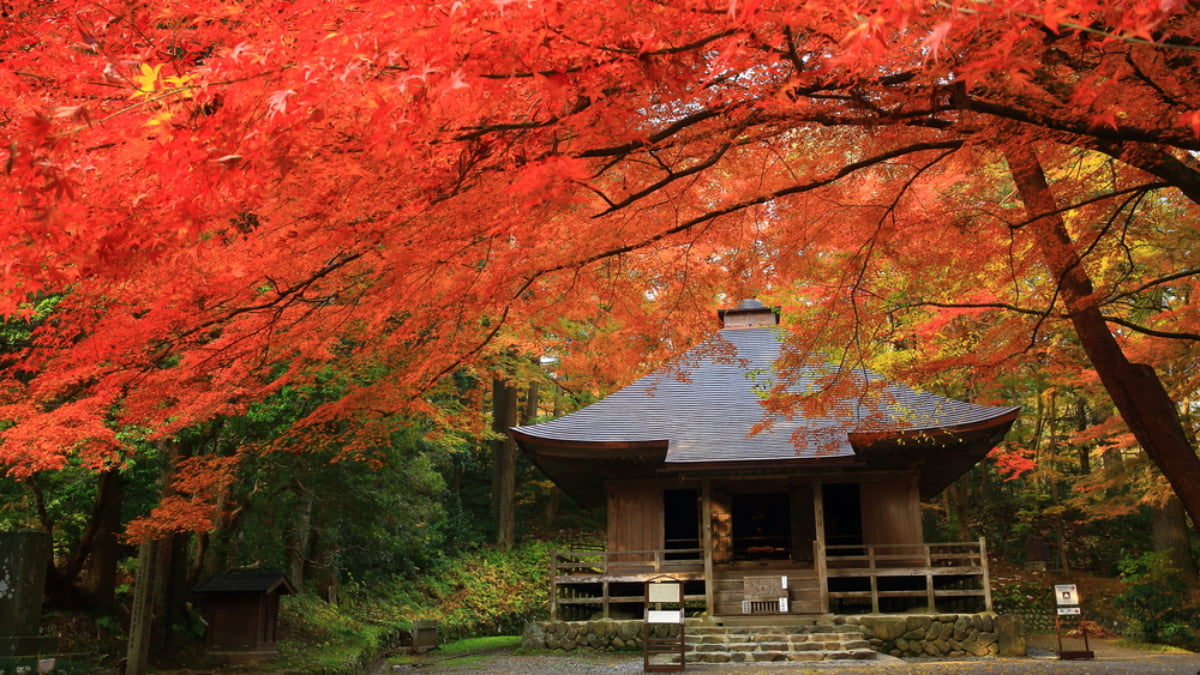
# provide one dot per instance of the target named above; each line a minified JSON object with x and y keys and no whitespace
{"x":237,"y":203}
{"x":1012,"y":461}
{"x":191,"y":505}
{"x":1192,"y":120}
{"x":549,"y":180}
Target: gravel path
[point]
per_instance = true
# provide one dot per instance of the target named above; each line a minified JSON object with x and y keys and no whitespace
{"x":1110,"y":660}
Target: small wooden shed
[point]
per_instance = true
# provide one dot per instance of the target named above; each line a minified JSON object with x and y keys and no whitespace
{"x":242,"y":610}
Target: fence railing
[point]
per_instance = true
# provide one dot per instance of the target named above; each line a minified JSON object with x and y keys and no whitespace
{"x":584,"y":577}
{"x":882,"y":571}
{"x":848,"y":574}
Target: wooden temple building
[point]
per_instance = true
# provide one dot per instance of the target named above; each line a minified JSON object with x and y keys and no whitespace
{"x":812,"y":514}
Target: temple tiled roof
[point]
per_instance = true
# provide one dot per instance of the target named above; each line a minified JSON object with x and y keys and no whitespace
{"x":703,"y":407}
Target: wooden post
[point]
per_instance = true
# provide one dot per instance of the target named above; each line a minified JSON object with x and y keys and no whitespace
{"x":604,"y":600}
{"x":987,"y":579}
{"x":819,"y":544}
{"x":874,"y":579}
{"x":138,"y":652}
{"x":706,"y":544}
{"x":929,"y":578}
{"x":554,"y":585}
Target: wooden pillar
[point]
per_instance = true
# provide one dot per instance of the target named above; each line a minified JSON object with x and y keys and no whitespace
{"x":554,"y":585}
{"x":929,"y":578}
{"x":706,"y":545}
{"x":819,"y":554}
{"x":138,"y":651}
{"x":987,"y":579}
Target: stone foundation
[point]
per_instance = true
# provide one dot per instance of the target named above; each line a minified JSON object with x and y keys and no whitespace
{"x":898,"y":635}
{"x":599,"y":635}
{"x":940,"y":634}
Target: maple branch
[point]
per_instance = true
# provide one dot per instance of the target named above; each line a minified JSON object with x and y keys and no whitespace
{"x":1155,"y":161}
{"x":1142,"y":188}
{"x":1182,"y":274}
{"x":479,"y":131}
{"x":673,"y":175}
{"x":1151,"y":331}
{"x":1044,"y":314}
{"x":1096,"y":29}
{"x":655,"y":138}
{"x":865,"y":251}
{"x":1163,"y":136}
{"x":979,"y":305}
{"x":842,"y":172}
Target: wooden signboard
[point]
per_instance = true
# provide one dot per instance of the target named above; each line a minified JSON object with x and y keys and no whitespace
{"x":664,"y":607}
{"x":1067,"y":603}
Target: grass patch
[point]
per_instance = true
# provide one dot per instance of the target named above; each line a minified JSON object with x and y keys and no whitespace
{"x":1130,"y":643}
{"x":468,"y":650}
{"x":465,"y":660}
{"x":481,"y":644}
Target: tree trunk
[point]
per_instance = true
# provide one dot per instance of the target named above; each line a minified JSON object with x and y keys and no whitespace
{"x":1081,"y":424}
{"x":301,"y":538}
{"x":1135,"y":389}
{"x":172,"y":593}
{"x":504,"y":462}
{"x":1171,"y":535}
{"x":99,"y":576}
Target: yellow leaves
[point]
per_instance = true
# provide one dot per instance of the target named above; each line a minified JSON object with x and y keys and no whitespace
{"x":151,"y":86}
{"x":145,"y":80}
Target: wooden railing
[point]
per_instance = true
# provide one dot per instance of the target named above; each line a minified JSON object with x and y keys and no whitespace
{"x":584,"y":577}
{"x":932,"y":573}
{"x":622,"y":563}
{"x":963,"y":562}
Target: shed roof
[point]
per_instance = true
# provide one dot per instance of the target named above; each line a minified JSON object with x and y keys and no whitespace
{"x":699,"y":413}
{"x":246,"y":582}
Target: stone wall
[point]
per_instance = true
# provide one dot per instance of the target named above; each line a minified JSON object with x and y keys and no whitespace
{"x":941,"y":634}
{"x":599,"y":635}
{"x":898,"y":635}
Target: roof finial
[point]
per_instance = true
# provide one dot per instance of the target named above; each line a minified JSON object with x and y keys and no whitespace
{"x":749,"y":313}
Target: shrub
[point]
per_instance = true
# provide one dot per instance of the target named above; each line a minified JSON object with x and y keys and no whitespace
{"x":1156,"y":601}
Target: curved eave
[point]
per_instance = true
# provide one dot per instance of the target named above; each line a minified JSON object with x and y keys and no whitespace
{"x":596,"y":450}
{"x":581,"y":469}
{"x":941,"y":456}
{"x":934,"y":434}
{"x":753,"y":467}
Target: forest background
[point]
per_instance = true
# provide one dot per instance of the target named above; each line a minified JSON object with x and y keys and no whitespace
{"x":278,"y":274}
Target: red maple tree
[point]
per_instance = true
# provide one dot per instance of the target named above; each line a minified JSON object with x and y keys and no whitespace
{"x":226,"y":198}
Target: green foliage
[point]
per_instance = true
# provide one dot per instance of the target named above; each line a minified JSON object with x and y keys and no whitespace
{"x":1016,"y":594}
{"x":478,"y":594}
{"x":478,"y":644}
{"x":491,"y":592}
{"x":1155,"y":601}
{"x":324,"y":637}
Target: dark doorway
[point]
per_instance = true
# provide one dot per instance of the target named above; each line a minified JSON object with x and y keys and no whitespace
{"x":681,"y":524}
{"x":762,"y":526}
{"x":843,"y":517}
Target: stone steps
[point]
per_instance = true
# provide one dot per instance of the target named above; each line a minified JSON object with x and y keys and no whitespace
{"x":762,"y":643}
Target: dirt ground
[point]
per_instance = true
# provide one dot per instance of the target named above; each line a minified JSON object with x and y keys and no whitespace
{"x":1111,"y":659}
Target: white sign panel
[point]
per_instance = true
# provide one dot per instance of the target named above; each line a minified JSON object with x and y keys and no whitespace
{"x":1066,"y":594}
{"x":664,"y":616}
{"x":665,"y":592}
{"x":1068,"y":610}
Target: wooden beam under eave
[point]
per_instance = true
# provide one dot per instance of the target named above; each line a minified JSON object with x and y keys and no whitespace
{"x":706,"y":544}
